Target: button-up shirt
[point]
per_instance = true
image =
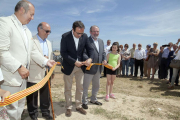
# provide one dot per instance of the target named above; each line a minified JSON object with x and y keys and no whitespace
{"x":139,"y":54}
{"x":76,"y":40}
{"x":44,"y":46}
{"x":23,"y":28}
{"x":1,"y":75}
{"x":107,"y":48}
{"x":165,"y":53}
{"x":96,"y":44}
{"x":132,"y":52}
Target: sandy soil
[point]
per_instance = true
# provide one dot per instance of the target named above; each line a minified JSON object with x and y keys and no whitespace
{"x":136,"y":100}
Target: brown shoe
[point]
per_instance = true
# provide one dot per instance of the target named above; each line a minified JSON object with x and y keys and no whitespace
{"x":68,"y":113}
{"x":81,"y":110}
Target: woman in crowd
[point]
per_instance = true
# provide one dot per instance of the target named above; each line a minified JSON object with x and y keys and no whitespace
{"x":126,"y":55}
{"x":175,"y":70}
{"x":113,"y":59}
{"x":120,"y":67}
{"x":153,"y":60}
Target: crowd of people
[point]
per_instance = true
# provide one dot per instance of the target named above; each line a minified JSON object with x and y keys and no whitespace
{"x":150,"y":61}
{"x":25,"y":60}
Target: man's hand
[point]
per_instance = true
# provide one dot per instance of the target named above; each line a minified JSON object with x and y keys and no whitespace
{"x":50,"y":63}
{"x":179,"y":40}
{"x":104,"y":62}
{"x":4,"y":94}
{"x":24,"y":73}
{"x":78,"y":64}
{"x":88,"y":62}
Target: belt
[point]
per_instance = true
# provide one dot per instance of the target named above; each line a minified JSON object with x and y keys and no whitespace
{"x":164,"y":58}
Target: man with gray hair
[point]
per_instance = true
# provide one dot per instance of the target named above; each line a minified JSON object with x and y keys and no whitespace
{"x":37,"y":73}
{"x":95,"y":72}
{"x":16,"y":50}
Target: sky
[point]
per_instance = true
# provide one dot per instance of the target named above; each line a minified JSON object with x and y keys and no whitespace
{"x":123,"y":21}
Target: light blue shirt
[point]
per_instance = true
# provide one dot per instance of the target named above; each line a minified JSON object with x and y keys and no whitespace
{"x":165,"y":53}
{"x":44,"y":46}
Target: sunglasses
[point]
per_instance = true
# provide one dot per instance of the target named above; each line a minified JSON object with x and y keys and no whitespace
{"x":47,"y":31}
{"x":79,"y":33}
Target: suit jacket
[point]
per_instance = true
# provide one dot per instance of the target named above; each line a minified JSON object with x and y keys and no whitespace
{"x":13,"y":50}
{"x":99,"y":57}
{"x":36,"y":71}
{"x":171,"y":56}
{"x":70,"y":54}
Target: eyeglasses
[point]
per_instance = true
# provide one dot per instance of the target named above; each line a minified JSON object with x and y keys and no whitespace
{"x":79,"y":33}
{"x":47,"y":31}
{"x":155,"y":44}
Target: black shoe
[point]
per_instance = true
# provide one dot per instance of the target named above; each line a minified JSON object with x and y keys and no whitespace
{"x":47,"y":116}
{"x":134,"y":76}
{"x":96,"y":103}
{"x":85,"y":106}
{"x":176,"y":84}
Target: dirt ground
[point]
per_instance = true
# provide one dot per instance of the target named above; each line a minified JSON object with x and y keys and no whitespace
{"x":137,"y":99}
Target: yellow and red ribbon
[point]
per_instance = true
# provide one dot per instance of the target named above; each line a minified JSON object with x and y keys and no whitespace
{"x":21,"y":94}
{"x":107,"y":66}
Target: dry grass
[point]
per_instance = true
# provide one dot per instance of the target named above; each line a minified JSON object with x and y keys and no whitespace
{"x":137,"y":99}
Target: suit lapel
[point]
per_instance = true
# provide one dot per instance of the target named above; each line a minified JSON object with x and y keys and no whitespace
{"x":19,"y":29}
{"x":36,"y":41}
{"x":72,"y":41}
{"x":93,"y":44}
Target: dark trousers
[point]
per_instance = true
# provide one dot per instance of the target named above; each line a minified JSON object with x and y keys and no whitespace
{"x":171,"y":73}
{"x":163,"y":68}
{"x":104,"y":71}
{"x":32,"y":101}
{"x":137,"y":64}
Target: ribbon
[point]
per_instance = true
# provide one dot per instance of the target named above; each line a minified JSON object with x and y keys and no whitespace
{"x":107,"y":66}
{"x":21,"y":94}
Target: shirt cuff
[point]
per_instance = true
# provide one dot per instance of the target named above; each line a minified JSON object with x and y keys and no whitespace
{"x":45,"y":62}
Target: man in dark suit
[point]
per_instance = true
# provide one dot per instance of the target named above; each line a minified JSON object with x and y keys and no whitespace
{"x":95,"y":72}
{"x":73,"y":44}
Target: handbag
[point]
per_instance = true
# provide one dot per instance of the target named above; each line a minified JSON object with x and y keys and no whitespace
{"x":175,"y":64}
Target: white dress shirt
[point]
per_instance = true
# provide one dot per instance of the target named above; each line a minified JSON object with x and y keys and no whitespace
{"x":1,"y":75}
{"x":23,"y":28}
{"x":96,"y":44}
{"x":76,"y":40}
{"x":139,"y":54}
{"x":44,"y":46}
{"x":107,"y":48}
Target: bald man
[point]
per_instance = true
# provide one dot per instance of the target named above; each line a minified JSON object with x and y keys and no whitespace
{"x":16,"y":50}
{"x":139,"y":56}
{"x":37,"y":73}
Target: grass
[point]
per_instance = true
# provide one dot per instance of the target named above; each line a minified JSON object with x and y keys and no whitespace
{"x":107,"y":114}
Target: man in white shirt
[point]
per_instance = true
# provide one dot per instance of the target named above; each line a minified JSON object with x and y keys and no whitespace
{"x":139,"y":57}
{"x":16,"y":50}
{"x":106,"y":49}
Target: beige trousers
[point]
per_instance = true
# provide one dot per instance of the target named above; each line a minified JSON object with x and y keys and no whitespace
{"x":68,"y":80}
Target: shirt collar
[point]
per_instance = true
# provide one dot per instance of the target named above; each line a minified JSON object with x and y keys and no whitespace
{"x":94,"y":40}
{"x":19,"y":23}
{"x":74,"y":36}
{"x":40,"y":40}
